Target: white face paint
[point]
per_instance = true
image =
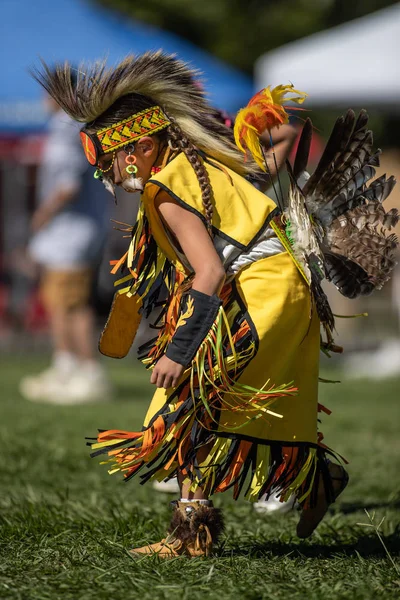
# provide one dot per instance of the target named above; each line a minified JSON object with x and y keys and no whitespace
{"x":133,"y":184}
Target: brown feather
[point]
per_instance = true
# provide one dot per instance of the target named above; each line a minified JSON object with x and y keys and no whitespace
{"x":347,"y":152}
{"x":362,"y":120}
{"x":348,"y":125}
{"x":327,"y":157}
{"x":348,"y":217}
{"x":352,"y":160}
{"x":379,"y":189}
{"x":349,"y":277}
{"x":357,"y":237}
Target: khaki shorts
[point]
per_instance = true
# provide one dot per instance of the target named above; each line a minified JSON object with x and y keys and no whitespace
{"x":66,"y":290}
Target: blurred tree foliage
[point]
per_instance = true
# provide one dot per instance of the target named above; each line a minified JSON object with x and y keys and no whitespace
{"x":239,"y":31}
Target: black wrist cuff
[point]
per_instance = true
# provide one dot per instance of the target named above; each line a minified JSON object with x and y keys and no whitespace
{"x":198,"y":313}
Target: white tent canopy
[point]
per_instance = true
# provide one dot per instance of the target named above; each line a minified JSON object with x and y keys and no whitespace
{"x":358,"y":63}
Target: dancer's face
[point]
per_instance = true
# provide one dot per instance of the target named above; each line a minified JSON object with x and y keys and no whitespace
{"x":146,"y":151}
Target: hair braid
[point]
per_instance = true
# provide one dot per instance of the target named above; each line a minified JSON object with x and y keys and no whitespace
{"x":182,"y":143}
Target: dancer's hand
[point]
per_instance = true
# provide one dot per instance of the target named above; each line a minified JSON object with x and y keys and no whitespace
{"x":166,"y":373}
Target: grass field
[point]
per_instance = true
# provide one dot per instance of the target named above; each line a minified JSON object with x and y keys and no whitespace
{"x":66,"y":524}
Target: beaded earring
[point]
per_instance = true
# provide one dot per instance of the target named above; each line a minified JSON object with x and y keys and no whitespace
{"x":133,"y":183}
{"x":131,"y":162}
{"x":99,"y":172}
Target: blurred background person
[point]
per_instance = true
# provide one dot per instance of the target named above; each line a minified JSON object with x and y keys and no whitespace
{"x":69,"y":229}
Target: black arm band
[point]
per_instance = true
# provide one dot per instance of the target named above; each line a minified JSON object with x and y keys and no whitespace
{"x":198,"y":313}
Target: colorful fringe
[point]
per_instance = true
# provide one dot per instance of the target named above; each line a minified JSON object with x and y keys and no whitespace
{"x":192,"y":419}
{"x":171,"y":443}
{"x":150,"y":272}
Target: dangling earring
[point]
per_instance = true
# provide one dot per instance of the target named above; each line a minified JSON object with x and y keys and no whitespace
{"x":131,"y":162}
{"x":133,"y":183}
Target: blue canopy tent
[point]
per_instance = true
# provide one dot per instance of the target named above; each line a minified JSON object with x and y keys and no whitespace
{"x":82,"y":30}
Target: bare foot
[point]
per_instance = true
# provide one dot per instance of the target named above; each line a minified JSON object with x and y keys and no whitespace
{"x":311,"y":517}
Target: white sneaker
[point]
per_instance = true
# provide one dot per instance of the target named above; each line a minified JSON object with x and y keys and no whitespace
{"x":86,"y":385}
{"x":37,"y":387}
{"x":168,"y":487}
{"x":273,"y":505}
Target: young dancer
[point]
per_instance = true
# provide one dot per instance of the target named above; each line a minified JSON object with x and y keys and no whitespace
{"x":236,"y":280}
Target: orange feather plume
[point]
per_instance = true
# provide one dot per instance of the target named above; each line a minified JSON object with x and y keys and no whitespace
{"x":264,"y":112}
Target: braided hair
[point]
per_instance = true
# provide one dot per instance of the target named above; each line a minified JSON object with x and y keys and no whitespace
{"x":181,"y":142}
{"x":131,"y":103}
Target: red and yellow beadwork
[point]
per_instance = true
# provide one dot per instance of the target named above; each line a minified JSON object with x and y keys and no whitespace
{"x":125,"y":132}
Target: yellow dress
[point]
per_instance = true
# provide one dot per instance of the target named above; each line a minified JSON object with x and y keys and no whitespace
{"x":249,"y":401}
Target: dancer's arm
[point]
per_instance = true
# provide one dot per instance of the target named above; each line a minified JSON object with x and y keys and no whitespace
{"x":195,"y":242}
{"x":283,"y":138}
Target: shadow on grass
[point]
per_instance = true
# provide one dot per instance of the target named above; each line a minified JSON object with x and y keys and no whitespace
{"x":347,"y":508}
{"x":365,"y":546}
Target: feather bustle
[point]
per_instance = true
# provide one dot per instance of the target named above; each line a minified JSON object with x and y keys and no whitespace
{"x":347,"y":212}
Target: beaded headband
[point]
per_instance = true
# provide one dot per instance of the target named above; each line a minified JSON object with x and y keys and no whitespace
{"x":125,"y":132}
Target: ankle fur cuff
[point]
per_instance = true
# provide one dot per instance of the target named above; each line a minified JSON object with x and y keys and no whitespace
{"x":191,"y":522}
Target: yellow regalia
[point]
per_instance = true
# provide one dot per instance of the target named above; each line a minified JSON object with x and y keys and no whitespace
{"x":273,"y":334}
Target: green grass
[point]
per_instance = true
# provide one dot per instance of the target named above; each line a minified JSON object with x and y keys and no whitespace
{"x":66,"y":525}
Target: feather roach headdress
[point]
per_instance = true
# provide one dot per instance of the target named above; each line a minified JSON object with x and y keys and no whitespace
{"x":163,"y":80}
